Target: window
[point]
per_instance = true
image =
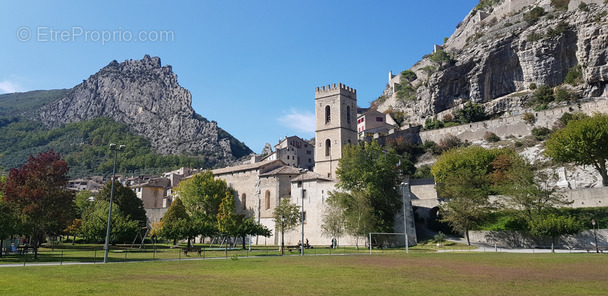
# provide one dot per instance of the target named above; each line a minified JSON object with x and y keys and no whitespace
{"x":309,"y":160}
{"x":379,"y":119}
{"x":309,"y":152}
{"x":348,"y":114}
{"x":267,"y":200}
{"x":327,"y":147}
{"x":327,"y":114}
{"x":299,"y":184}
{"x":244,"y":201}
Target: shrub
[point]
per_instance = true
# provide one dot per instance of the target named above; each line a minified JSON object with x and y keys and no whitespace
{"x":529,"y":118}
{"x":406,"y":93}
{"x":543,"y":95}
{"x":559,"y":29}
{"x":583,"y":6}
{"x":532,"y":86}
{"x":491,"y":137}
{"x":541,"y":133}
{"x":408,"y":75}
{"x":471,"y":112}
{"x":441,"y":57}
{"x":518,"y":144}
{"x":533,"y":36}
{"x":560,"y":4}
{"x":574,"y":76}
{"x":423,"y":172}
{"x":439,"y":238}
{"x":534,"y":14}
{"x":448,"y":118}
{"x":433,"y":123}
{"x":449,"y":142}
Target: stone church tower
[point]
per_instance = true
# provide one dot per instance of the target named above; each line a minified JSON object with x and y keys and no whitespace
{"x":335,"y":124}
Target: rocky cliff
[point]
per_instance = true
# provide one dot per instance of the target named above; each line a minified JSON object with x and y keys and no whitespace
{"x":501,"y":51}
{"x":147,"y":97}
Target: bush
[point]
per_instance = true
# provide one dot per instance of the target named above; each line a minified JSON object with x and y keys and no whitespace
{"x":518,"y":144}
{"x":470,"y":112}
{"x":408,"y":75}
{"x":575,"y":75}
{"x":423,"y":172}
{"x":442,"y":58}
{"x":449,"y":142}
{"x":583,"y":6}
{"x":541,"y":133}
{"x":559,"y":29}
{"x":560,"y":4}
{"x":533,"y":36}
{"x":491,"y":137}
{"x":543,"y":95}
{"x":529,"y":118}
{"x":532,"y":86}
{"x":433,"y":123}
{"x":534,"y":14}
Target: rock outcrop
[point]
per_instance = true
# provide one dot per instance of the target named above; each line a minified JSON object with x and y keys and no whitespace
{"x":507,"y":48}
{"x":146,"y":96}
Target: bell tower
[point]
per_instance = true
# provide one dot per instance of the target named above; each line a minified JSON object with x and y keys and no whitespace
{"x":335,"y":125}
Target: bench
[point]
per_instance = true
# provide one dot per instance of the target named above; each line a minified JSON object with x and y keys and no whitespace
{"x":377,"y":246}
{"x":292,"y":248}
{"x":593,"y":248}
{"x":192,"y":250}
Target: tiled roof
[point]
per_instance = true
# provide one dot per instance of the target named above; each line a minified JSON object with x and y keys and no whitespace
{"x":247,"y":167}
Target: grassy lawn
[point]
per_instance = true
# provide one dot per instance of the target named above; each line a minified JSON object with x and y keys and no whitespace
{"x":417,"y":273}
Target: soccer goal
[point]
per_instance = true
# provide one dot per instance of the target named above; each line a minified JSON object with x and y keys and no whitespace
{"x":388,"y":240}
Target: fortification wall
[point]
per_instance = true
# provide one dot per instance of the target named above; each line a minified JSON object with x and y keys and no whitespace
{"x":514,"y":125}
{"x":515,"y":239}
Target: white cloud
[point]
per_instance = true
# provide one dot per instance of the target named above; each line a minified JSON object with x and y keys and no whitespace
{"x":300,"y":121}
{"x":9,"y":87}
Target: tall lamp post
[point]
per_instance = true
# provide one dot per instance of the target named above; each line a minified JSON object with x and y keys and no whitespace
{"x":302,"y":172}
{"x":597,"y":249}
{"x":405,"y":191}
{"x":282,"y":235}
{"x":115,"y":149}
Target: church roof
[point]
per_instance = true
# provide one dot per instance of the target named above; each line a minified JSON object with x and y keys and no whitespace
{"x":310,"y":176}
{"x":262,"y":166}
{"x":284,"y":170}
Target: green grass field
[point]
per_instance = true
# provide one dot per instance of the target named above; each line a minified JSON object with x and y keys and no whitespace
{"x":415,"y":274}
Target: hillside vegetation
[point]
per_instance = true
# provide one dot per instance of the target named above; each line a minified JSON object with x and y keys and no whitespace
{"x":85,"y":147}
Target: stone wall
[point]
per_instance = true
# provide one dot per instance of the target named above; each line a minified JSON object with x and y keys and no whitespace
{"x":511,"y":126}
{"x":514,"y":239}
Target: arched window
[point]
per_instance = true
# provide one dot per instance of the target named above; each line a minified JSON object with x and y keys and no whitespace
{"x":327,"y":114}
{"x":348,"y":114}
{"x":328,"y":147}
{"x":244,"y":201}
{"x":267,"y":199}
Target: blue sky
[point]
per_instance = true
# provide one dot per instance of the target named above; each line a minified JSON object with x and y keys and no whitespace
{"x":252,"y":66}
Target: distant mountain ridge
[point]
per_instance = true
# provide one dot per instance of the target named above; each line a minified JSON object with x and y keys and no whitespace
{"x":141,"y":94}
{"x":147,"y":97}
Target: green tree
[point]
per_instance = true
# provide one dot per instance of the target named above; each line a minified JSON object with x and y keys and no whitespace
{"x":202,"y":195}
{"x":582,"y":141}
{"x":463,"y":175}
{"x":248,"y":226}
{"x":95,"y":220}
{"x":227,"y":219}
{"x":514,"y":178}
{"x":175,"y":223}
{"x":8,"y":223}
{"x":470,"y":112}
{"x":126,"y":199}
{"x":288,"y":210}
{"x":369,"y":170}
{"x":333,"y":219}
{"x":82,"y":202}
{"x":553,"y":226}
{"x":37,"y":193}
{"x":357,"y":212}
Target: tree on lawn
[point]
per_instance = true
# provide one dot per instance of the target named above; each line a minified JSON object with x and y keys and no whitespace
{"x":175,"y":222}
{"x":8,"y":223}
{"x":463,"y":175}
{"x":95,"y":221}
{"x":582,"y":141}
{"x":248,"y":226}
{"x":74,"y":229}
{"x":357,"y":212}
{"x":373,"y":174}
{"x":202,"y":195}
{"x":553,"y":226}
{"x":514,"y":178}
{"x":333,"y":220}
{"x":37,"y":192}
{"x":227,"y":219}
{"x":126,"y":199}
{"x":290,"y":212}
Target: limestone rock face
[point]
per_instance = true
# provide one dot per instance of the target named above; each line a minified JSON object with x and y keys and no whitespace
{"x":147,"y":97}
{"x":500,"y":50}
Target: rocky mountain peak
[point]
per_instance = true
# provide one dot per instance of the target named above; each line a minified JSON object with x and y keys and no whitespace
{"x":146,"y":96}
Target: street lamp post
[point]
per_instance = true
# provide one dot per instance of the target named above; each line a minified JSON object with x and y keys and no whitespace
{"x":405,"y":191}
{"x":597,"y":249}
{"x":282,"y":235}
{"x":115,"y":149}
{"x":302,"y":172}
